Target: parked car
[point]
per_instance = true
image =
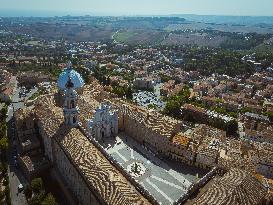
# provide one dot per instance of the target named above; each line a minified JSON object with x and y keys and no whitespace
{"x":20,"y":187}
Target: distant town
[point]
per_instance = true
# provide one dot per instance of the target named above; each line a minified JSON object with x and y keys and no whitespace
{"x":135,"y":110}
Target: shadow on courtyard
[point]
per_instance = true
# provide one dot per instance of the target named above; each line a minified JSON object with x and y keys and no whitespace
{"x":158,"y":160}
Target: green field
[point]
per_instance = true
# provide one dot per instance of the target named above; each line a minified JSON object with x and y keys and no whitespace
{"x":124,"y":36}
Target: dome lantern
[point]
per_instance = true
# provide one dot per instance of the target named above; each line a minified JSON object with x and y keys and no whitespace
{"x":69,"y":74}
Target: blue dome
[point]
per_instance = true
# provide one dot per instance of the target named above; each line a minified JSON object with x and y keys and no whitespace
{"x":74,"y":76}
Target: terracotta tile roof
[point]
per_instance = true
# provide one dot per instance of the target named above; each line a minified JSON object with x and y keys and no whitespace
{"x":194,"y":108}
{"x":8,"y":91}
{"x":236,"y":187}
{"x":108,"y":182}
{"x":160,"y":124}
{"x":181,"y":140}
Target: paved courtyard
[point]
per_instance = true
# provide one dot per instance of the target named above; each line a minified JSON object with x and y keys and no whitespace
{"x":166,"y":181}
{"x":145,"y":98}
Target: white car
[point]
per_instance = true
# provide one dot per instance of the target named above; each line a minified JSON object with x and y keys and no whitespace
{"x":20,"y":187}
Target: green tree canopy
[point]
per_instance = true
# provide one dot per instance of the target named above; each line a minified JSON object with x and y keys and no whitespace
{"x":28,"y":191}
{"x":37,"y":185}
{"x":4,"y":144}
{"x":37,"y":199}
{"x":49,"y":200}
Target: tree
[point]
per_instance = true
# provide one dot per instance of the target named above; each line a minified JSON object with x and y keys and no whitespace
{"x":174,"y":103}
{"x":2,"y":195}
{"x":119,"y":91}
{"x":28,"y":191}
{"x":245,"y":109}
{"x":165,"y":78}
{"x":269,"y":115}
{"x":7,"y":193}
{"x":4,"y":111}
{"x":233,"y":114}
{"x":173,"y":108}
{"x":220,"y":110}
{"x":4,"y":144}
{"x":37,"y":185}
{"x":3,"y":129}
{"x":129,"y":93}
{"x":49,"y":200}
{"x":37,"y":199}
{"x":152,"y":106}
{"x":232,"y":127}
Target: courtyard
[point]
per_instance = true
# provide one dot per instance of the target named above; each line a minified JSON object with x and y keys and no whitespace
{"x":165,"y":180}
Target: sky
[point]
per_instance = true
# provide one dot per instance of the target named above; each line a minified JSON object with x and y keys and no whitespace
{"x":136,"y":7}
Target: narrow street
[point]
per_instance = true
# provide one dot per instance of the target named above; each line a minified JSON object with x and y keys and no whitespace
{"x":15,"y":175}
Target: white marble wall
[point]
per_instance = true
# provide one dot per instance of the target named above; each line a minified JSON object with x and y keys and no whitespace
{"x":105,"y":122}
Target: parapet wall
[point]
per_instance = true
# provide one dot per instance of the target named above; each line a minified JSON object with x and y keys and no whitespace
{"x":196,"y":186}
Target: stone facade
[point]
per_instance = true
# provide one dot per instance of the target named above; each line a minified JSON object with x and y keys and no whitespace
{"x":105,"y":122}
{"x":214,"y":119}
{"x":149,"y":128}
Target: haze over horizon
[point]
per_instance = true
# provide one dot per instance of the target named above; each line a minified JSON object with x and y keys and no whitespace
{"x":132,"y":8}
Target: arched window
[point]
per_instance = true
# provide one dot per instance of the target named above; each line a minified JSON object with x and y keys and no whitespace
{"x":72,"y":104}
{"x":74,"y":119}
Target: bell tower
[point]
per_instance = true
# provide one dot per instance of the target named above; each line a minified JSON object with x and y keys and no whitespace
{"x":70,"y":108}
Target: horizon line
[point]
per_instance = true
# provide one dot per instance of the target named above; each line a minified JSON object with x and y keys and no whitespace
{"x":50,"y":13}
